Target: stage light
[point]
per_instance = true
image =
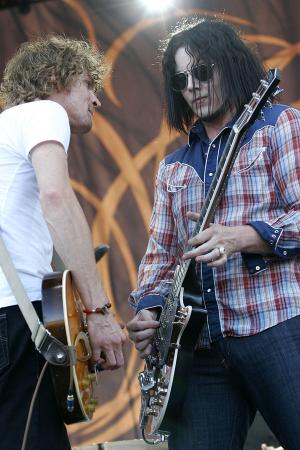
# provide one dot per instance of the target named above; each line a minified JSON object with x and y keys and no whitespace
{"x":157,"y":5}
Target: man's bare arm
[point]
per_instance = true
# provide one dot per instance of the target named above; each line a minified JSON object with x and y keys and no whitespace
{"x":72,"y":239}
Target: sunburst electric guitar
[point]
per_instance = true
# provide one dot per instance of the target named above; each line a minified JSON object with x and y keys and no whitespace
{"x":166,"y":369}
{"x":64,"y":318}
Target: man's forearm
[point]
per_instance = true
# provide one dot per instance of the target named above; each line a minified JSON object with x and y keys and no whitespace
{"x":249,"y":241}
{"x":72,"y":240}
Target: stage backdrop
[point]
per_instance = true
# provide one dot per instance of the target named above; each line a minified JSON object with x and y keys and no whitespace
{"x":114,"y":166}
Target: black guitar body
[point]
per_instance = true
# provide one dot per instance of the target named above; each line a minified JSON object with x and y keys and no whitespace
{"x":183,"y":368}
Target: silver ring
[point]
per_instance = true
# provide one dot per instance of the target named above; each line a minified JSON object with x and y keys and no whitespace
{"x":222,"y":250}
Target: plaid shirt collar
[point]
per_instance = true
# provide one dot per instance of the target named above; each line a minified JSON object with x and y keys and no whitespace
{"x":198,"y":130}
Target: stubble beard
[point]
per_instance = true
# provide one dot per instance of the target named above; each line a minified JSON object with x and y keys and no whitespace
{"x":216,"y":115}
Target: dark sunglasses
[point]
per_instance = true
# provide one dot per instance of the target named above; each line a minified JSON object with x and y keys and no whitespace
{"x":203,"y":73}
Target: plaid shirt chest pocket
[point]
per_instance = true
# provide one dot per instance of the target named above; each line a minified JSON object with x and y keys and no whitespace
{"x":4,"y":355}
{"x":250,"y":184}
{"x":185,"y":190}
{"x":250,"y":159}
{"x":176,"y":180}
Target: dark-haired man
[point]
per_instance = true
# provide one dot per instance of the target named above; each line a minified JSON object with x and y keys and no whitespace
{"x":247,"y":261}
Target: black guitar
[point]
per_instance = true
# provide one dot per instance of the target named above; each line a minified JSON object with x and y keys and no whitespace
{"x":163,"y":379}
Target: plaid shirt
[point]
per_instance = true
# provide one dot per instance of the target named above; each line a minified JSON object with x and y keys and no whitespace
{"x":249,"y":293}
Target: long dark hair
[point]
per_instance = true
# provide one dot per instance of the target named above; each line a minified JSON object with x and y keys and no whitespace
{"x":211,"y":41}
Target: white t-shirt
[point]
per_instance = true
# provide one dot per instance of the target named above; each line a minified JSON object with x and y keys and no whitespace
{"x":22,"y":225}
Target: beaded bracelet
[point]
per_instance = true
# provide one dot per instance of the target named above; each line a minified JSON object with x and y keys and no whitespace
{"x":101,"y":310}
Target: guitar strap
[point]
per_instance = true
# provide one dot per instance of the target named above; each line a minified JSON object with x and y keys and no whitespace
{"x":54,"y":351}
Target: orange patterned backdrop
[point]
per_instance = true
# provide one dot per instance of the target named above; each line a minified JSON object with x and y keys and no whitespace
{"x":113,"y":167}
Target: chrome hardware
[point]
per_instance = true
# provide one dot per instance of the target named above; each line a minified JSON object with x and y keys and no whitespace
{"x":248,"y":108}
{"x":175,"y":345}
{"x":277,"y":92}
{"x":146,"y":380}
{"x":60,"y":357}
{"x":162,"y":391}
{"x":262,"y":116}
{"x":157,"y":438}
{"x":264,"y":83}
{"x":156,"y":401}
{"x":256,"y":96}
{"x":151,"y":412}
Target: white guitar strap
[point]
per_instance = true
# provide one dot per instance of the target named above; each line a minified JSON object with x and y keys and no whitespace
{"x":54,"y":351}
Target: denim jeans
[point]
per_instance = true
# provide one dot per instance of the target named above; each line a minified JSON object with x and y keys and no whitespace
{"x":233,"y":379}
{"x":20,"y":365}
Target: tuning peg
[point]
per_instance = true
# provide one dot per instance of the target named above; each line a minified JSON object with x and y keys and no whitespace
{"x":256,"y":96}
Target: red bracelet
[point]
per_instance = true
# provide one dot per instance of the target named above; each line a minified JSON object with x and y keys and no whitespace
{"x":102,"y":310}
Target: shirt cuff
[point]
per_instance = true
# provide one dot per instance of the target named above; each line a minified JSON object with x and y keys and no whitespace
{"x":150,"y":301}
{"x":271,"y":236}
{"x":254,"y":263}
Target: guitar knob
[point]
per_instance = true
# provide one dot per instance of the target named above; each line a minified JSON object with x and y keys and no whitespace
{"x":90,"y":408}
{"x":91,"y":377}
{"x":85,"y":383}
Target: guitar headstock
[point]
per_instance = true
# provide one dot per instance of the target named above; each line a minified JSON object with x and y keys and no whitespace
{"x":266,"y":91}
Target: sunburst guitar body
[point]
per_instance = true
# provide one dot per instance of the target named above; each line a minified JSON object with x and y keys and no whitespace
{"x":63,"y":317}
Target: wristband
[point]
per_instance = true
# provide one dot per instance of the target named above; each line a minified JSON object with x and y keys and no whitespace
{"x":101,"y":310}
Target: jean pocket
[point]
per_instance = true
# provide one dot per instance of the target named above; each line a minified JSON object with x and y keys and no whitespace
{"x":4,"y":355}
